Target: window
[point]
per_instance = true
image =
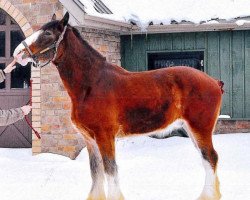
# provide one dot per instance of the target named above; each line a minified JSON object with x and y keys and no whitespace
{"x":10,"y":36}
{"x":193,"y":59}
{"x":16,"y":37}
{"x":2,"y":44}
{"x":101,"y":7}
{"x":2,"y":85}
{"x":2,"y":17}
{"x":98,"y":5}
{"x":20,"y":77}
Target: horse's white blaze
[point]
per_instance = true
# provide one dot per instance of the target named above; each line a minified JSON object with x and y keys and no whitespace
{"x":29,"y":40}
{"x":18,"y":49}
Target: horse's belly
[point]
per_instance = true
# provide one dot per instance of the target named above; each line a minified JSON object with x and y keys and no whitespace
{"x":166,"y":131}
{"x":160,"y":132}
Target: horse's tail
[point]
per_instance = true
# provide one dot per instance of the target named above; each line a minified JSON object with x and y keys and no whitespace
{"x":221,"y":84}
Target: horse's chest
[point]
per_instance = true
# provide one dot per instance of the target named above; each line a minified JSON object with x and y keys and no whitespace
{"x":89,"y":114}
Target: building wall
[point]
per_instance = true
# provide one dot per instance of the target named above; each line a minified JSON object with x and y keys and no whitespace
{"x":30,"y":15}
{"x":51,"y":103}
{"x":232,"y":126}
{"x":104,"y":41}
{"x":227,"y":57}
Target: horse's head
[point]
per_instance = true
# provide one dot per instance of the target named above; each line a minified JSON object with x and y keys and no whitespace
{"x":42,"y":45}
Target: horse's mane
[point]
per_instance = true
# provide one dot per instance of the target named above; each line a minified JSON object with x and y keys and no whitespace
{"x":85,"y":43}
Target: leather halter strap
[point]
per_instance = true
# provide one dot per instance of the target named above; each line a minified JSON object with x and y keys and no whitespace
{"x":28,"y":49}
{"x":35,"y":56}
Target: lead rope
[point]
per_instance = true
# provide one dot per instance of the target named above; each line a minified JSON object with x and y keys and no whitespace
{"x":26,"y":116}
{"x":33,"y":65}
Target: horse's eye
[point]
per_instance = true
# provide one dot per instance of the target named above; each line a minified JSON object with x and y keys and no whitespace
{"x":48,"y":33}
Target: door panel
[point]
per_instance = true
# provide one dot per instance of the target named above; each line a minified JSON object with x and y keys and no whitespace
{"x":14,"y":91}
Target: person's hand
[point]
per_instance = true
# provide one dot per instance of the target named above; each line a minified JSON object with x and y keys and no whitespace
{"x":23,"y":59}
{"x":26,"y":109}
{"x":10,"y":67}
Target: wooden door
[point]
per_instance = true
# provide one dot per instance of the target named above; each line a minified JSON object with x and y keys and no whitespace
{"x":14,"y":91}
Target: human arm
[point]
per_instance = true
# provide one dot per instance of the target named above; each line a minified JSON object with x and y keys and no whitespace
{"x":11,"y":116}
{"x":2,"y":76}
{"x":7,"y":69}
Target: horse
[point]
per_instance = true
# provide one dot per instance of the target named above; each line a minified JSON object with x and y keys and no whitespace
{"x":109,"y":101}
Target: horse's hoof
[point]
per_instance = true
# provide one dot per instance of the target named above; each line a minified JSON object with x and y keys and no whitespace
{"x":121,"y":197}
{"x":90,"y":198}
{"x":214,"y":197}
{"x":96,"y":198}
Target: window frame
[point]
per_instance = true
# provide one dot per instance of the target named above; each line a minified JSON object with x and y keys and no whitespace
{"x":179,"y":51}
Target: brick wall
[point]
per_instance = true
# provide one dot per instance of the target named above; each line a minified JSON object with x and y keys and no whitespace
{"x":37,"y":12}
{"x":106,"y":42}
{"x":58,"y":135}
{"x":232,"y":126}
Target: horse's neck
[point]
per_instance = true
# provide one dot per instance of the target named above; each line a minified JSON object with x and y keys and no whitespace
{"x":79,"y":65}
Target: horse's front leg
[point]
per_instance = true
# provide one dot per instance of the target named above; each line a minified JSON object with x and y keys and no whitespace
{"x":107,"y":150}
{"x":97,"y":172}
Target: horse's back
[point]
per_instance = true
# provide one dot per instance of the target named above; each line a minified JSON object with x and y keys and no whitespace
{"x":179,"y":81}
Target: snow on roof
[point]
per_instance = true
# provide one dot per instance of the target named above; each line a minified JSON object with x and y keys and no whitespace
{"x":165,"y":12}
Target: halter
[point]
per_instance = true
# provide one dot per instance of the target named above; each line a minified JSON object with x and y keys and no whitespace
{"x":53,"y":46}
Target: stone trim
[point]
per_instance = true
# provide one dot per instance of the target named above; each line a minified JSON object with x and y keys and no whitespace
{"x":25,"y":26}
{"x":36,"y":108}
{"x":15,"y":13}
{"x":232,"y":126}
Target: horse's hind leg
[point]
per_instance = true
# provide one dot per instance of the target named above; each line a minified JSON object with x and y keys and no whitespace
{"x":107,"y":150}
{"x":211,"y":188}
{"x":203,"y":141}
{"x":97,"y":172}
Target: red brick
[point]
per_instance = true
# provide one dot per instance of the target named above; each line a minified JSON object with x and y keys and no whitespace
{"x":69,"y":148}
{"x":60,"y":99}
{"x":45,"y":127}
{"x":67,"y":106}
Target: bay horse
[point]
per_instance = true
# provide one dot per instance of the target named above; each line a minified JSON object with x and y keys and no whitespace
{"x":108,"y":102}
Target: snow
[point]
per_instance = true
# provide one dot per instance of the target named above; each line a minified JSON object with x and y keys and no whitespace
{"x":165,"y":11}
{"x":149,"y":169}
{"x":241,"y":22}
{"x":224,"y":117}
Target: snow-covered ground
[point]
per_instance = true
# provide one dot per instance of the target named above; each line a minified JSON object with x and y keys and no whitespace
{"x":149,"y":169}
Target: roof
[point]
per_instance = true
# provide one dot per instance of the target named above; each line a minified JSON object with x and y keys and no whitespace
{"x":155,"y":16}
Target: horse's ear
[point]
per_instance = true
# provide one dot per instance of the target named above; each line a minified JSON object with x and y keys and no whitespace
{"x":53,"y":17}
{"x":65,"y":19}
